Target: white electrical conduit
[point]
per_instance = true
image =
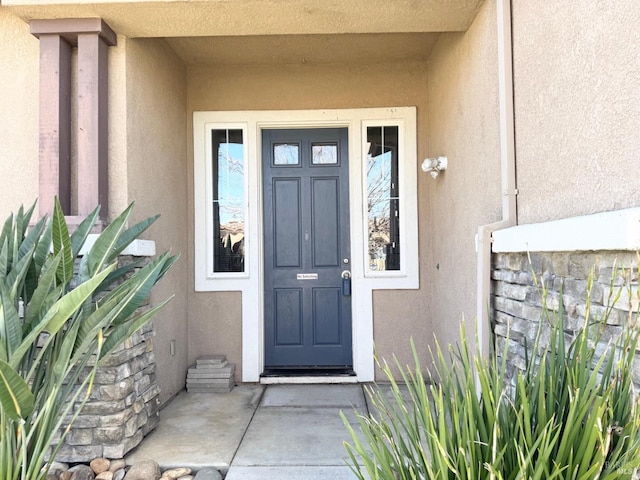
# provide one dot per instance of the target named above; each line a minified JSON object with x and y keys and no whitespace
{"x":508,"y":172}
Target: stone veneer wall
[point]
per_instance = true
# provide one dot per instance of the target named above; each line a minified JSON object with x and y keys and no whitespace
{"x":123,"y":405}
{"x":518,"y":304}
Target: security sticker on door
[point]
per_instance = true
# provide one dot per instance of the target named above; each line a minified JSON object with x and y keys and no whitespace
{"x":307,"y":276}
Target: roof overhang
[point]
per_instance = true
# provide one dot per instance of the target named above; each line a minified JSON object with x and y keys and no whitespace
{"x":206,"y":18}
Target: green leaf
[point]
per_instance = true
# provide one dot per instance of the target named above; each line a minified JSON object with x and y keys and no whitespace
{"x":132,"y":233}
{"x":61,"y":366}
{"x":15,"y":397}
{"x":38,"y":305}
{"x":10,"y":326}
{"x":124,"y":331}
{"x":68,"y":304}
{"x":18,"y":273}
{"x":7,"y":228}
{"x":4,"y":259}
{"x":139,"y":286}
{"x":32,"y":238}
{"x":62,"y":244}
{"x":120,"y":272}
{"x":44,"y":246}
{"x":102,"y":251}
{"x":79,"y":236}
{"x":58,"y":314}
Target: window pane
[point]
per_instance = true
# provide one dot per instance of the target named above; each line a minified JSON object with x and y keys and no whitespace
{"x":383,"y":199}
{"x":324,"y":154}
{"x":286,"y":154}
{"x":228,"y":200}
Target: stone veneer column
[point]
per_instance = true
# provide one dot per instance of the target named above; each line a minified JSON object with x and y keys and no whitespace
{"x":92,"y":36}
{"x":124,"y":403}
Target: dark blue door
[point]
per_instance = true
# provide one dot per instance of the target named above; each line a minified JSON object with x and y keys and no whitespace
{"x":306,"y":249}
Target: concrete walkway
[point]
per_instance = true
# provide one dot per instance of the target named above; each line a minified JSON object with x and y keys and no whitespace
{"x":276,"y":432}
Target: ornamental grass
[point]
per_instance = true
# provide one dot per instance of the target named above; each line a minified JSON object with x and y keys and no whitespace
{"x":571,"y":413}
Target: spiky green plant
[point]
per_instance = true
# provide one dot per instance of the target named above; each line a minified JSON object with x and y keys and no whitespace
{"x":571,"y":414}
{"x":56,"y":325}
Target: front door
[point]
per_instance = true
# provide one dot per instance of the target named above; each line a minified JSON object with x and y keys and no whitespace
{"x":306,"y":249}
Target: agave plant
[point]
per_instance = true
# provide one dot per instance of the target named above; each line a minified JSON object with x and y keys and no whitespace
{"x":571,"y":414}
{"x":56,"y":325}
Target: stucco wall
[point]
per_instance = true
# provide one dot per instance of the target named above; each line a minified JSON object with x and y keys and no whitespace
{"x":463,"y":125}
{"x":19,"y":107}
{"x":577,"y":101}
{"x":156,"y":181}
{"x":306,"y":86}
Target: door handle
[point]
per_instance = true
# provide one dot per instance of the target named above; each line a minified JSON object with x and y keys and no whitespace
{"x":346,"y":283}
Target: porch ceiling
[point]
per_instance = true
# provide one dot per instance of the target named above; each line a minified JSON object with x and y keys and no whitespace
{"x":298,"y":49}
{"x":189,"y":18}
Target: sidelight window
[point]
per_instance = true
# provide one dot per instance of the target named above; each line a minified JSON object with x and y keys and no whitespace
{"x":383,"y":199}
{"x":228,"y":200}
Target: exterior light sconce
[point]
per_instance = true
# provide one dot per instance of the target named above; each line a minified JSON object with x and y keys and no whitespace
{"x":434,"y":166}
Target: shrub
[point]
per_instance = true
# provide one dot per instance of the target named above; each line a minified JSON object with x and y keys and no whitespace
{"x":56,"y":325}
{"x":570,"y":414}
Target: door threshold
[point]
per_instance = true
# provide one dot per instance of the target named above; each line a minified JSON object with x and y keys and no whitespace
{"x":301,"y":380}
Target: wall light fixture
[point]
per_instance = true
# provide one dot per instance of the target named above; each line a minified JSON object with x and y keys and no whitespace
{"x":434,"y":166}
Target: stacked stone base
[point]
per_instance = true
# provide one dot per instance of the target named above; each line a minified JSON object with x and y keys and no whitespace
{"x":123,"y":405}
{"x":519,"y":304}
{"x":211,"y":374}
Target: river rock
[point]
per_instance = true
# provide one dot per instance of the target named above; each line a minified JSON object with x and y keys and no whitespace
{"x":145,"y":470}
{"x":58,"y":467}
{"x":208,"y":474}
{"x":105,"y":475}
{"x":81,"y":472}
{"x":99,"y":465}
{"x":175,"y":473}
{"x":117,"y":465}
{"x":119,"y":474}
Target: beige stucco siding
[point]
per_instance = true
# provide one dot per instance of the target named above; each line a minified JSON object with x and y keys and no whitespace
{"x":156,"y":181}
{"x":305,"y":86}
{"x":577,"y":100}
{"x":19,"y":110}
{"x":464,"y":125}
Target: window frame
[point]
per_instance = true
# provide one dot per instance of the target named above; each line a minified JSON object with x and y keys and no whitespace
{"x":407,"y":199}
{"x":207,"y":273}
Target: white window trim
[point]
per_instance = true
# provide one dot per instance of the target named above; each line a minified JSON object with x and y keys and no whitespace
{"x":204,"y":267}
{"x":251,"y":281}
{"x":407,"y":209}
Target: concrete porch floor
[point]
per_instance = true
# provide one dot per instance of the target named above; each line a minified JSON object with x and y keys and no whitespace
{"x":279,"y":432}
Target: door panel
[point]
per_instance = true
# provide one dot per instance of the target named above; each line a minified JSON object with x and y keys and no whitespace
{"x":326,"y":308}
{"x":286,"y":208}
{"x":288,"y":315}
{"x":306,"y":238}
{"x":325,"y":221}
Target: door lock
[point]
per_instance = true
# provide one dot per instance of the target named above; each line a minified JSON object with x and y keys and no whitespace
{"x":346,"y":283}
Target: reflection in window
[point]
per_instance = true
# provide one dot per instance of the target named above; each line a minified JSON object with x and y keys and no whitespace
{"x":382,"y":199}
{"x":228,"y":200}
{"x":324,"y":154}
{"x":286,"y":154}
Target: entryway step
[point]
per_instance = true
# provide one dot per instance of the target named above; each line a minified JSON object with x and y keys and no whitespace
{"x":211,"y":374}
